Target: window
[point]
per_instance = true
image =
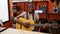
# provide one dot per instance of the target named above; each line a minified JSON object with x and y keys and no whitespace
{"x":4,"y":15}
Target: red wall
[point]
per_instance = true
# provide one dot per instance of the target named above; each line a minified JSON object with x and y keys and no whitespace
{"x":50,"y":6}
{"x":52,"y":16}
{"x":41,"y":4}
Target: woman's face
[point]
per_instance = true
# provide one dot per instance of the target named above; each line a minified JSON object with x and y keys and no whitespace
{"x":30,"y":8}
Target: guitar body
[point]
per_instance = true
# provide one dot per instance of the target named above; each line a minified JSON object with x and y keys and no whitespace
{"x":25,"y":21}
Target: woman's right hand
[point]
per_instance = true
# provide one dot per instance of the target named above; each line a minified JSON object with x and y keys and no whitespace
{"x":26,"y":25}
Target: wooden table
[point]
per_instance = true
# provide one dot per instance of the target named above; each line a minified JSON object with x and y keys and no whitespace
{"x":16,"y":31}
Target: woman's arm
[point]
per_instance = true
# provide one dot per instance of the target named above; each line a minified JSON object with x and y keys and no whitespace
{"x":37,"y":18}
{"x":19,"y":16}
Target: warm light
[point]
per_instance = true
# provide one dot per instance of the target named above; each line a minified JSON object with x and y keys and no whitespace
{"x":38,"y":11}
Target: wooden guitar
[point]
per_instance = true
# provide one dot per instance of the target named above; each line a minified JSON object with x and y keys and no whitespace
{"x":31,"y":24}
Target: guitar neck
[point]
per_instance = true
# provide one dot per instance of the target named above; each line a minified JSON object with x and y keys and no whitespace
{"x":49,"y":25}
{"x":37,"y":25}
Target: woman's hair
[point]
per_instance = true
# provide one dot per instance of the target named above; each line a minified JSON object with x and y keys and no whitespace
{"x":30,"y":5}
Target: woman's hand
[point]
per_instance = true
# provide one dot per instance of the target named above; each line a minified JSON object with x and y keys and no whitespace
{"x":26,"y":25}
{"x":46,"y":25}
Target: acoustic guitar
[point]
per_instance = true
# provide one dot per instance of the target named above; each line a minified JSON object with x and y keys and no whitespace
{"x":31,"y":24}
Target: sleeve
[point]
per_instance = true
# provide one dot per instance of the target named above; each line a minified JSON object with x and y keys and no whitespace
{"x":22,"y":15}
{"x":37,"y":17}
